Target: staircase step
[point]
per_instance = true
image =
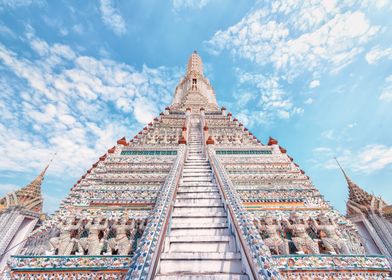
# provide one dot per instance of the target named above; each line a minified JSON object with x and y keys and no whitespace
{"x":196,"y":180}
{"x":203,"y":276}
{"x":206,"y":212}
{"x":196,"y":184}
{"x":199,"y":201}
{"x":199,"y":232}
{"x":201,"y":256}
{"x":198,"y":226}
{"x":198,"y":220}
{"x":200,"y":262}
{"x":197,"y":238}
{"x":197,"y":204}
{"x":205,"y":190}
{"x":197,"y":169}
{"x":189,"y":168}
{"x":187,"y":247}
{"x":195,"y":175}
{"x":195,"y":195}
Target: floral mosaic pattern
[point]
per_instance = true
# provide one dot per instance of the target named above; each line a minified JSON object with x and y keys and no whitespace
{"x":325,"y":267}
{"x":67,"y":267}
{"x":328,"y":262}
{"x":69,"y":262}
{"x":68,"y":275}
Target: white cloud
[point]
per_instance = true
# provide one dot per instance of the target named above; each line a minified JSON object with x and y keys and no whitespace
{"x":367,"y":159}
{"x":78,"y":28}
{"x":297,"y":36}
{"x":377,"y":54}
{"x":7,"y":188}
{"x":381,"y":3}
{"x":111,"y":17}
{"x":328,"y":134}
{"x":308,"y":101}
{"x":314,"y":84}
{"x":78,"y":106}
{"x":13,"y":4}
{"x":386,"y":94}
{"x":5,"y":31}
{"x":267,"y":97}
{"x":189,"y":4}
{"x":374,"y":157}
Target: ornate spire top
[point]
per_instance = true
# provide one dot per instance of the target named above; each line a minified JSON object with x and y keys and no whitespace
{"x":195,"y":64}
{"x":194,"y":90}
{"x":358,"y":198}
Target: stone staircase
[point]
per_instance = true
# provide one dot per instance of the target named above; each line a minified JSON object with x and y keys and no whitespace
{"x":199,"y":244}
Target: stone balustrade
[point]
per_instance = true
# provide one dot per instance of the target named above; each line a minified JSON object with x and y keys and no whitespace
{"x":36,"y":263}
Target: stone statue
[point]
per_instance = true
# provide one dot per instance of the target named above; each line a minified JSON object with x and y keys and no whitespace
{"x":330,"y":236}
{"x":121,"y":243}
{"x":140,"y":226}
{"x":300,"y":238}
{"x":93,"y":243}
{"x":274,"y":241}
{"x":65,"y":242}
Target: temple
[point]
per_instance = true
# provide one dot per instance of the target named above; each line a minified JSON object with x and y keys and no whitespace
{"x":370,"y":215}
{"x":20,"y":213}
{"x":195,"y":195}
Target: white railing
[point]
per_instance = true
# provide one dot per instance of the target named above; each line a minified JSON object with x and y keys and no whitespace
{"x":146,"y":258}
{"x":257,"y":257}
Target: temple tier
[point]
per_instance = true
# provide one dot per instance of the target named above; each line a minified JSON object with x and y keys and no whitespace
{"x":195,"y":195}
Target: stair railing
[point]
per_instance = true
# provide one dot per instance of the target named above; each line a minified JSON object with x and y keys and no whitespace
{"x":202,"y":125}
{"x":146,"y":259}
{"x":259,"y":264}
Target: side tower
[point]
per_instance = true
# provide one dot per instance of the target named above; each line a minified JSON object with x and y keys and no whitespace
{"x":195,"y":195}
{"x":370,"y":215}
{"x":20,"y":212}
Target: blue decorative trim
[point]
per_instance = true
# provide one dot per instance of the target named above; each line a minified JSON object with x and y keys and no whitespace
{"x":149,"y":153}
{"x":243,"y":152}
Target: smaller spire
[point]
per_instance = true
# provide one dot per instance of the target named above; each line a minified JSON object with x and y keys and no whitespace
{"x":29,"y":196}
{"x":356,"y":194}
{"x":358,"y":197}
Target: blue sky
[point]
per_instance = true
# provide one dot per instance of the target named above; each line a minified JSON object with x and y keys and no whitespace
{"x":75,"y":76}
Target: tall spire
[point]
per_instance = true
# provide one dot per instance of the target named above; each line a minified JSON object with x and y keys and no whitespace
{"x":29,"y":196}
